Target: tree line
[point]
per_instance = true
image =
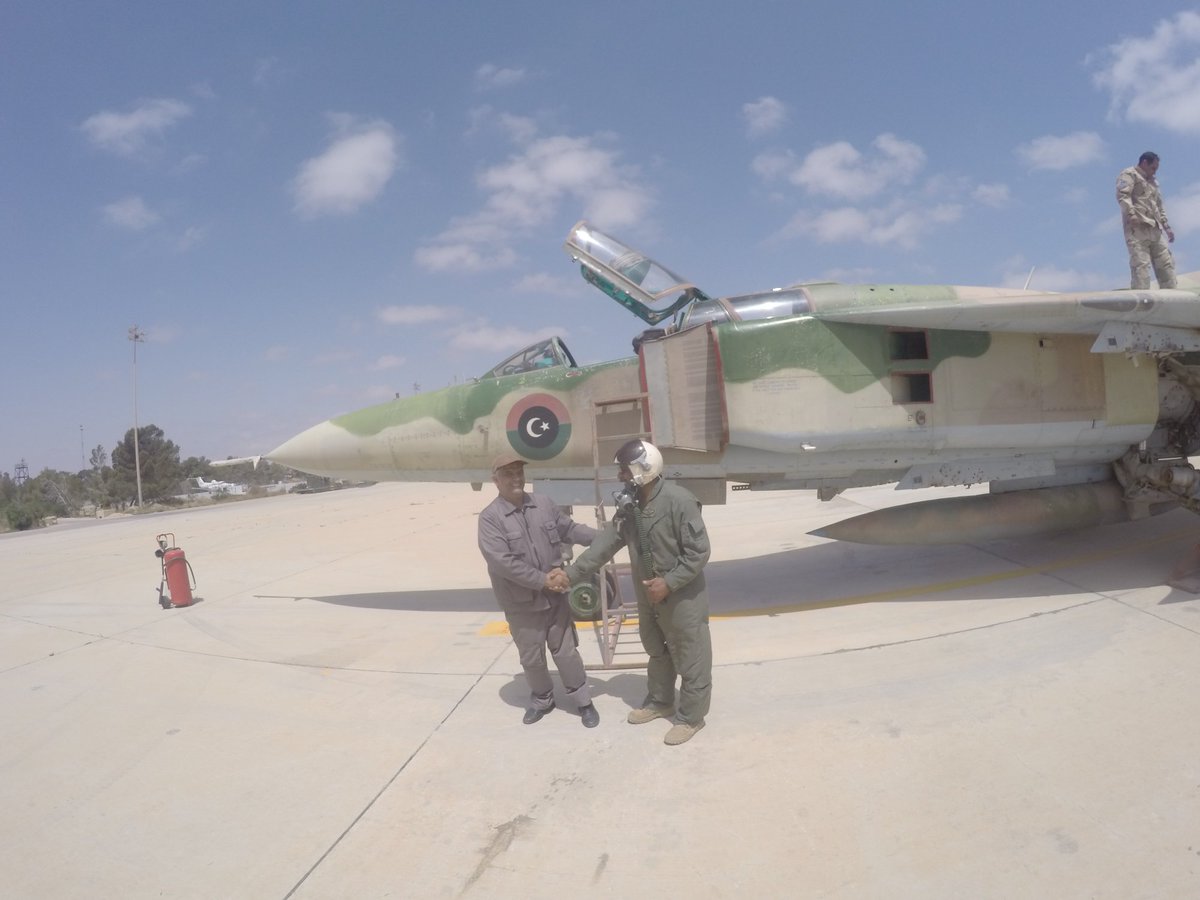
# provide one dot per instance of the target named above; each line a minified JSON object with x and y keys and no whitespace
{"x":111,"y":481}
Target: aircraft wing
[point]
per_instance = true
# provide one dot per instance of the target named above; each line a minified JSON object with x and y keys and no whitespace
{"x":1123,"y":320}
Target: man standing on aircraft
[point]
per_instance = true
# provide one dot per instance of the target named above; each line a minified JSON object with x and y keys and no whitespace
{"x":668,"y":546}
{"x":1145,"y":223}
{"x":521,"y":537}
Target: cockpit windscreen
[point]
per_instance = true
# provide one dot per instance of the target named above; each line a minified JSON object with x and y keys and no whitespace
{"x":543,"y":355}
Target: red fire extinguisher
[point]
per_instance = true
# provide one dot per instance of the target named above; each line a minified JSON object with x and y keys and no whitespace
{"x":175,"y":574}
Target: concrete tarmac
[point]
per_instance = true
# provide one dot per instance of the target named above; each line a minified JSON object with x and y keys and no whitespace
{"x":339,"y":716}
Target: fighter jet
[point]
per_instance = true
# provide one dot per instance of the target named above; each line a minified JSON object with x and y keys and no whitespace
{"x":1075,"y":409}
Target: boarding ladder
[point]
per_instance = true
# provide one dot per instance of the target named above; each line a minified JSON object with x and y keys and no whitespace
{"x":614,"y":422}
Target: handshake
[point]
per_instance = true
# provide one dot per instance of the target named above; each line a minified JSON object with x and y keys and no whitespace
{"x":557,"y":581}
{"x":656,"y":588}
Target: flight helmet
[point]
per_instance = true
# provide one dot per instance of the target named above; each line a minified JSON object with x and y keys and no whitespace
{"x":642,"y":459}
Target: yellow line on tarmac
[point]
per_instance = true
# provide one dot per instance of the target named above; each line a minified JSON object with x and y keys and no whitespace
{"x":501,"y":628}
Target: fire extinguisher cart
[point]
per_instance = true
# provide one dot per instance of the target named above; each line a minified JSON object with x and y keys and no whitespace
{"x":177,"y":574}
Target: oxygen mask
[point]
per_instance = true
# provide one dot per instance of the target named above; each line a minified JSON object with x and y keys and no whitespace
{"x":625,"y":500}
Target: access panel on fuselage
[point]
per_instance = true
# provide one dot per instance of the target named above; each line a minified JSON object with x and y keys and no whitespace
{"x":681,"y":374}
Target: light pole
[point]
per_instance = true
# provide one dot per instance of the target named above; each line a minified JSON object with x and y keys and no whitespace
{"x":137,"y":336}
{"x":82,"y":464}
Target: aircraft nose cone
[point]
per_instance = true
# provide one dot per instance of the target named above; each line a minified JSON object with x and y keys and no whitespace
{"x":326,"y":449}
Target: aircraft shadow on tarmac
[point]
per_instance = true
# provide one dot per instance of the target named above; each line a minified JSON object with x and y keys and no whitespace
{"x":458,"y":600}
{"x":842,"y":574}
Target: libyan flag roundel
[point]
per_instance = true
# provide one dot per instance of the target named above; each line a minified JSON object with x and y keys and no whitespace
{"x":538,"y":426}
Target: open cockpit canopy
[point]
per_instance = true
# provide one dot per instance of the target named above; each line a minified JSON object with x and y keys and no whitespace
{"x":647,"y":289}
{"x":654,"y":293}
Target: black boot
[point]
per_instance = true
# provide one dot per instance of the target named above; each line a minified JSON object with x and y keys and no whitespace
{"x":589,"y":716}
{"x":533,"y":714}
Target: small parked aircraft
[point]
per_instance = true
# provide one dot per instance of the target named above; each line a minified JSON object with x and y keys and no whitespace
{"x":216,"y":487}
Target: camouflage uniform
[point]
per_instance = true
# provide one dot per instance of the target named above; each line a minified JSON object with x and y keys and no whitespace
{"x":1144,"y":220}
{"x":674,"y":632}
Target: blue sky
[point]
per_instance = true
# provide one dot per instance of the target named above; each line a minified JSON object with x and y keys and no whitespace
{"x":311,"y":207}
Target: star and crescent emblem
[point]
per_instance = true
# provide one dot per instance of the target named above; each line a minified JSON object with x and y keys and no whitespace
{"x":537,"y":427}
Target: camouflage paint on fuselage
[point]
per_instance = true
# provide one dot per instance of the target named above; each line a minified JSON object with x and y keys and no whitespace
{"x":846,"y":356}
{"x":459,"y":407}
{"x":829,"y":396}
{"x":452,"y":434}
{"x":825,"y":398}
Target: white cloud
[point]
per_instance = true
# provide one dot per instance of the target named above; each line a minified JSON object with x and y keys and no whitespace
{"x":544,"y":283}
{"x":764,"y":115}
{"x":128,"y":134}
{"x":527,"y":190}
{"x":335,"y":355}
{"x":773,"y":164}
{"x":616,"y":206}
{"x":517,"y":129}
{"x":192,"y":235}
{"x":270,"y":72}
{"x":1052,"y":278}
{"x":993,"y":195}
{"x":521,"y":129}
{"x":483,"y":335}
{"x":1109,"y":229}
{"x":831,"y":225}
{"x":387,"y":362}
{"x":895,"y":224}
{"x":413,"y":315}
{"x":278,"y":353}
{"x":352,"y":172}
{"x":463,"y":258}
{"x":190,"y":163}
{"x":489,"y":77}
{"x":131,"y":213}
{"x":840,"y":170}
{"x":1155,"y":79}
{"x":898,"y":212}
{"x":1183,"y":209}
{"x":1058,"y":152}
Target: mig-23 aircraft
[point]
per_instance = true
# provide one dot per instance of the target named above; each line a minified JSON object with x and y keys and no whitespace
{"x":1076,"y":409}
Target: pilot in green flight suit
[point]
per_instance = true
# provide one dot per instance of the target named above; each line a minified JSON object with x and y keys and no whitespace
{"x":668,"y":547}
